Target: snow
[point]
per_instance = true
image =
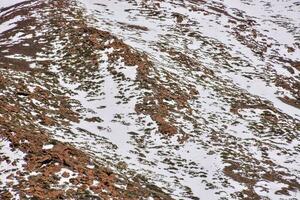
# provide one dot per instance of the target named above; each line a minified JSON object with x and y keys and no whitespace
{"x":47,"y":146}
{"x":64,"y":182}
{"x":7,"y":3}
{"x":10,"y":24}
{"x":193,"y":167}
{"x":212,"y":109}
{"x":8,"y":169}
{"x":268,"y":189}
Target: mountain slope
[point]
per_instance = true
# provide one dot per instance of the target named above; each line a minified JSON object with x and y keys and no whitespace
{"x":200,"y":98}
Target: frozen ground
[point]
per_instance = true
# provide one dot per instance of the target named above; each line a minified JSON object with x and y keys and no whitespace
{"x":212,"y":114}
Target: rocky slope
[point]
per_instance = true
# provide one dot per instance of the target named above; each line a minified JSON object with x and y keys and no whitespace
{"x":161,"y":99}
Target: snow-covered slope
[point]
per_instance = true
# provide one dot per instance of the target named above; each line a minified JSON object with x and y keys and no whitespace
{"x":200,"y":98}
{"x":242,"y":58}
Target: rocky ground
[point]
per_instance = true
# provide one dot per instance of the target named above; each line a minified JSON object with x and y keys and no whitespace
{"x":140,"y":99}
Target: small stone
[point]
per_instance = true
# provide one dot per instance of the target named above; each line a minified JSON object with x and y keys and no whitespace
{"x":65,"y":175}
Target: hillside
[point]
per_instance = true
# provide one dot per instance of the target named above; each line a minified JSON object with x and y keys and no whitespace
{"x":149,"y":99}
